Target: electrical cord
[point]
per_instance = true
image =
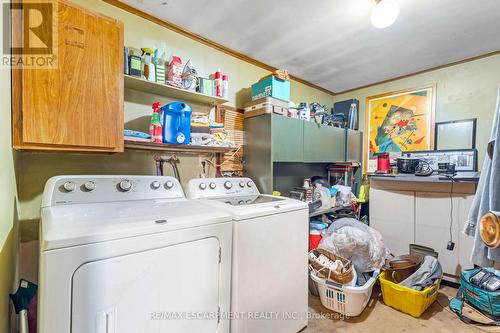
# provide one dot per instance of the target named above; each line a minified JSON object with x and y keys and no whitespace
{"x":451,"y":208}
{"x":450,"y":245}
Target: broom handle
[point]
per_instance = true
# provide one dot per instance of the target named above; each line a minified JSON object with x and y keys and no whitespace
{"x":23,"y":321}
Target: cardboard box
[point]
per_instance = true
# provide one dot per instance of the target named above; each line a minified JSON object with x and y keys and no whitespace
{"x":205,"y":86}
{"x":271,"y":87}
{"x":266,"y":105}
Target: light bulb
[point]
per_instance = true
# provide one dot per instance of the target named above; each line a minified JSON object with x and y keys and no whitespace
{"x":384,"y":13}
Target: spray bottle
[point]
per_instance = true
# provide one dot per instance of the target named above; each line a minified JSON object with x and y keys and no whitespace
{"x":155,"y":127}
{"x":218,"y":83}
{"x":148,"y":67}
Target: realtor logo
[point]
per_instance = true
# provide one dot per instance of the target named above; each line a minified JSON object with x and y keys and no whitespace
{"x":32,"y":40}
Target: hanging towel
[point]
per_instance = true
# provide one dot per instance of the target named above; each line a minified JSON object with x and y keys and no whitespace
{"x":487,"y":196}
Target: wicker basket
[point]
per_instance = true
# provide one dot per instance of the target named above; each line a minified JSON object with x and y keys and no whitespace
{"x":343,"y":278}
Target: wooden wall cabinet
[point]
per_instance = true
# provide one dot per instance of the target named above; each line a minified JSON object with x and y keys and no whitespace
{"x":78,"y":106}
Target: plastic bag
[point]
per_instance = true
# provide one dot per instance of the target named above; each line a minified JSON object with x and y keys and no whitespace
{"x":344,"y":195}
{"x":357,"y":242}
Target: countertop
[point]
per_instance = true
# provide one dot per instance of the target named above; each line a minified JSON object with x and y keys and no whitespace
{"x":462,"y":177}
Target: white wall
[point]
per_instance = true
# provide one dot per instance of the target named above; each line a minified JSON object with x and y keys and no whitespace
{"x":7,"y":198}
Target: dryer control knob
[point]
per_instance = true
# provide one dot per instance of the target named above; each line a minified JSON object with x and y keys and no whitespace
{"x":249,"y":184}
{"x":228,"y":184}
{"x":89,"y":186}
{"x":169,"y":184}
{"x":69,"y":186}
{"x":125,"y":185}
{"x":202,"y":186}
{"x":242,"y":184}
{"x":155,"y":185}
{"x":212,"y":186}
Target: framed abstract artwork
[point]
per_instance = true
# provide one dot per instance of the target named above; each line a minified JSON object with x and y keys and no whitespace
{"x":397,"y":122}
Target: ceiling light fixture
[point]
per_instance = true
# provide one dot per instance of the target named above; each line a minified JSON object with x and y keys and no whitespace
{"x":384,"y":13}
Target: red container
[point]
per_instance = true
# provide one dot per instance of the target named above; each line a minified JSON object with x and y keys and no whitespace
{"x":383,"y":163}
{"x":314,"y":239}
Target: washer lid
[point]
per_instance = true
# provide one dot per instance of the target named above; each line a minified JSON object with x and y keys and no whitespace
{"x":244,"y":207}
{"x":79,"y":224}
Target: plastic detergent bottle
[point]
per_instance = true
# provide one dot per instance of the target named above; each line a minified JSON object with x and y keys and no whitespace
{"x":155,"y":127}
{"x":148,"y":67}
{"x":176,"y":123}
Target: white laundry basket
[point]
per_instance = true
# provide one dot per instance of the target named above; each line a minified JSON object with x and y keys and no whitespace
{"x":349,"y":301}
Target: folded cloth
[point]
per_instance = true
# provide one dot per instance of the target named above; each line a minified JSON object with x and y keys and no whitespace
{"x":136,"y":134}
{"x":487,"y":197}
{"x":426,"y":275}
{"x":136,"y":139}
{"x":216,"y":125}
{"x":200,"y":129}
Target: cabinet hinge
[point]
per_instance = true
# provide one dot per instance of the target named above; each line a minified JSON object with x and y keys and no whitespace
{"x":220,"y":255}
{"x":218,"y":315}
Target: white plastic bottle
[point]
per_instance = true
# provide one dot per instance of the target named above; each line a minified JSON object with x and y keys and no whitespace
{"x":225,"y":86}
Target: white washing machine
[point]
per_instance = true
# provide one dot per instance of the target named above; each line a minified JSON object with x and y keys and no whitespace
{"x":128,"y":254}
{"x":269,"y":290}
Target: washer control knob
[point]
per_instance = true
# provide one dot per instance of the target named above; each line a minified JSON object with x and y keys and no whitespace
{"x":242,"y":184}
{"x":169,"y":184}
{"x":202,"y":186}
{"x":69,"y":186}
{"x":249,"y":184}
{"x":89,"y":186}
{"x":125,"y":185}
{"x":155,"y":185}
{"x":212,"y":186}
{"x":228,"y":184}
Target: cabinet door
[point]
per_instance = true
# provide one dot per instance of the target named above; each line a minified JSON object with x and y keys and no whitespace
{"x":354,"y":146}
{"x":433,"y":219}
{"x":79,"y":105}
{"x":392,"y":214}
{"x":323,"y":143}
{"x":287,"y":142}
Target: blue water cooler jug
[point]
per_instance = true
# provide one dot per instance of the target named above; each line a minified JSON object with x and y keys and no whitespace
{"x":176,"y":123}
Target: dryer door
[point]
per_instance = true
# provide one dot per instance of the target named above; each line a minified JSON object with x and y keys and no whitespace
{"x":171,"y":289}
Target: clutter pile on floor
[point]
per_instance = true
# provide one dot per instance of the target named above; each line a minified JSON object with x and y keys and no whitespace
{"x":351,"y":257}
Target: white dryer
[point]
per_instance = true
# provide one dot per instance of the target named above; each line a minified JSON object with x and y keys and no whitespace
{"x":269,"y":291}
{"x":128,"y":254}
